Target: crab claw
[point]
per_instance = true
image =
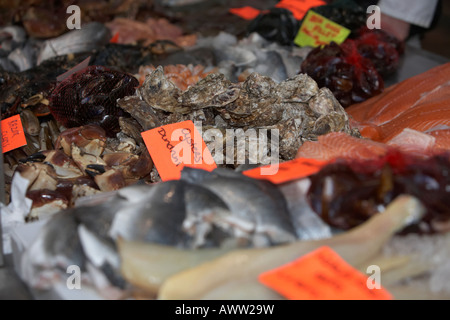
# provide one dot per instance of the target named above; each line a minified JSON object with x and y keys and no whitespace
{"x":94,"y":169}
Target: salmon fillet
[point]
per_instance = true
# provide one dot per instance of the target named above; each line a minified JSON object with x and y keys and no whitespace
{"x":402,"y":96}
{"x":339,"y":145}
{"x":421,"y":103}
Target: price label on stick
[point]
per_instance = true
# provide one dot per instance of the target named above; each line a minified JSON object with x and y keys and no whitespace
{"x":316,"y":30}
{"x":175,"y":146}
{"x":321,"y":275}
{"x":13,"y":135}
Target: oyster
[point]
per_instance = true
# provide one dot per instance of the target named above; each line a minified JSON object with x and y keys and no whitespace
{"x":294,"y":110}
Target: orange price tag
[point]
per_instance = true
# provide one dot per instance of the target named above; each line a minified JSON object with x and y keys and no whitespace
{"x":176,"y":145}
{"x":115,"y":38}
{"x":287,"y":171}
{"x":247,"y":13}
{"x":299,"y":7}
{"x":321,"y":275}
{"x":13,"y":135}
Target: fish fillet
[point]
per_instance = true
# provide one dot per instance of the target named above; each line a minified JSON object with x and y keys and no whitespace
{"x":147,"y":265}
{"x":420,"y":103}
{"x":413,"y":142}
{"x":220,"y":277}
{"x":442,"y":139}
{"x":402,"y":96}
{"x":341,"y":145}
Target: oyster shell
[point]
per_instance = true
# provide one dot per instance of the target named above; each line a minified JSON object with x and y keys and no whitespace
{"x":295,"y":107}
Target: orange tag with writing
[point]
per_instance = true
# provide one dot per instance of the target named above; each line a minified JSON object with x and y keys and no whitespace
{"x":176,"y":145}
{"x":322,"y":275}
{"x":247,"y":13}
{"x":13,"y":135}
{"x":287,"y":171}
{"x":299,"y":7}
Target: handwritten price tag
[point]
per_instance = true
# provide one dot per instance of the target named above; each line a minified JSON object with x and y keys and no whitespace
{"x":316,"y":30}
{"x":299,"y":7}
{"x":177,"y":145}
{"x":321,"y":275}
{"x":287,"y":171}
{"x":13,"y":135}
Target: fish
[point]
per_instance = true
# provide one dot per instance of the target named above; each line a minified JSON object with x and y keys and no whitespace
{"x":420,"y":103}
{"x":341,"y":145}
{"x":255,"y":218}
{"x":147,"y":265}
{"x":91,"y":36}
{"x":220,"y":278}
{"x":442,"y":138}
{"x":24,"y":57}
{"x":222,"y":210}
{"x":56,"y":247}
{"x":414,"y":142}
{"x":131,"y":31}
{"x":308,"y":225}
{"x":235,"y":58}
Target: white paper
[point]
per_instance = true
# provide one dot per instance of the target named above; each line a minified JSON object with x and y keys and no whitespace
{"x":15,"y":212}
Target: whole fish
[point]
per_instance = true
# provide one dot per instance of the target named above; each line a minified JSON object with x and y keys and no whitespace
{"x":258,"y":206}
{"x":91,"y":36}
{"x":221,"y":278}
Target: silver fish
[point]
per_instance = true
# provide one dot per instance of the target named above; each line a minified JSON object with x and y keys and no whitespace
{"x":306,"y":222}
{"x":91,"y":36}
{"x":57,"y":247}
{"x":258,"y":207}
{"x":239,"y":270}
{"x":24,"y":57}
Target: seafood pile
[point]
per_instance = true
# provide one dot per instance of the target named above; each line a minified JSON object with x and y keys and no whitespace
{"x":209,"y":222}
{"x":94,"y":187}
{"x":346,"y":193}
{"x":181,"y":75}
{"x":237,"y":58}
{"x":296,"y":107}
{"x":90,"y":129}
{"x":355,"y":69}
{"x":82,"y":162}
{"x":48,"y":18}
{"x":411,"y":117}
{"x":130,"y":31}
{"x":201,"y":210}
{"x":89,"y":97}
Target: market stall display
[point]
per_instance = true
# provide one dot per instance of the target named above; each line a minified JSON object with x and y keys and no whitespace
{"x":88,"y":186}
